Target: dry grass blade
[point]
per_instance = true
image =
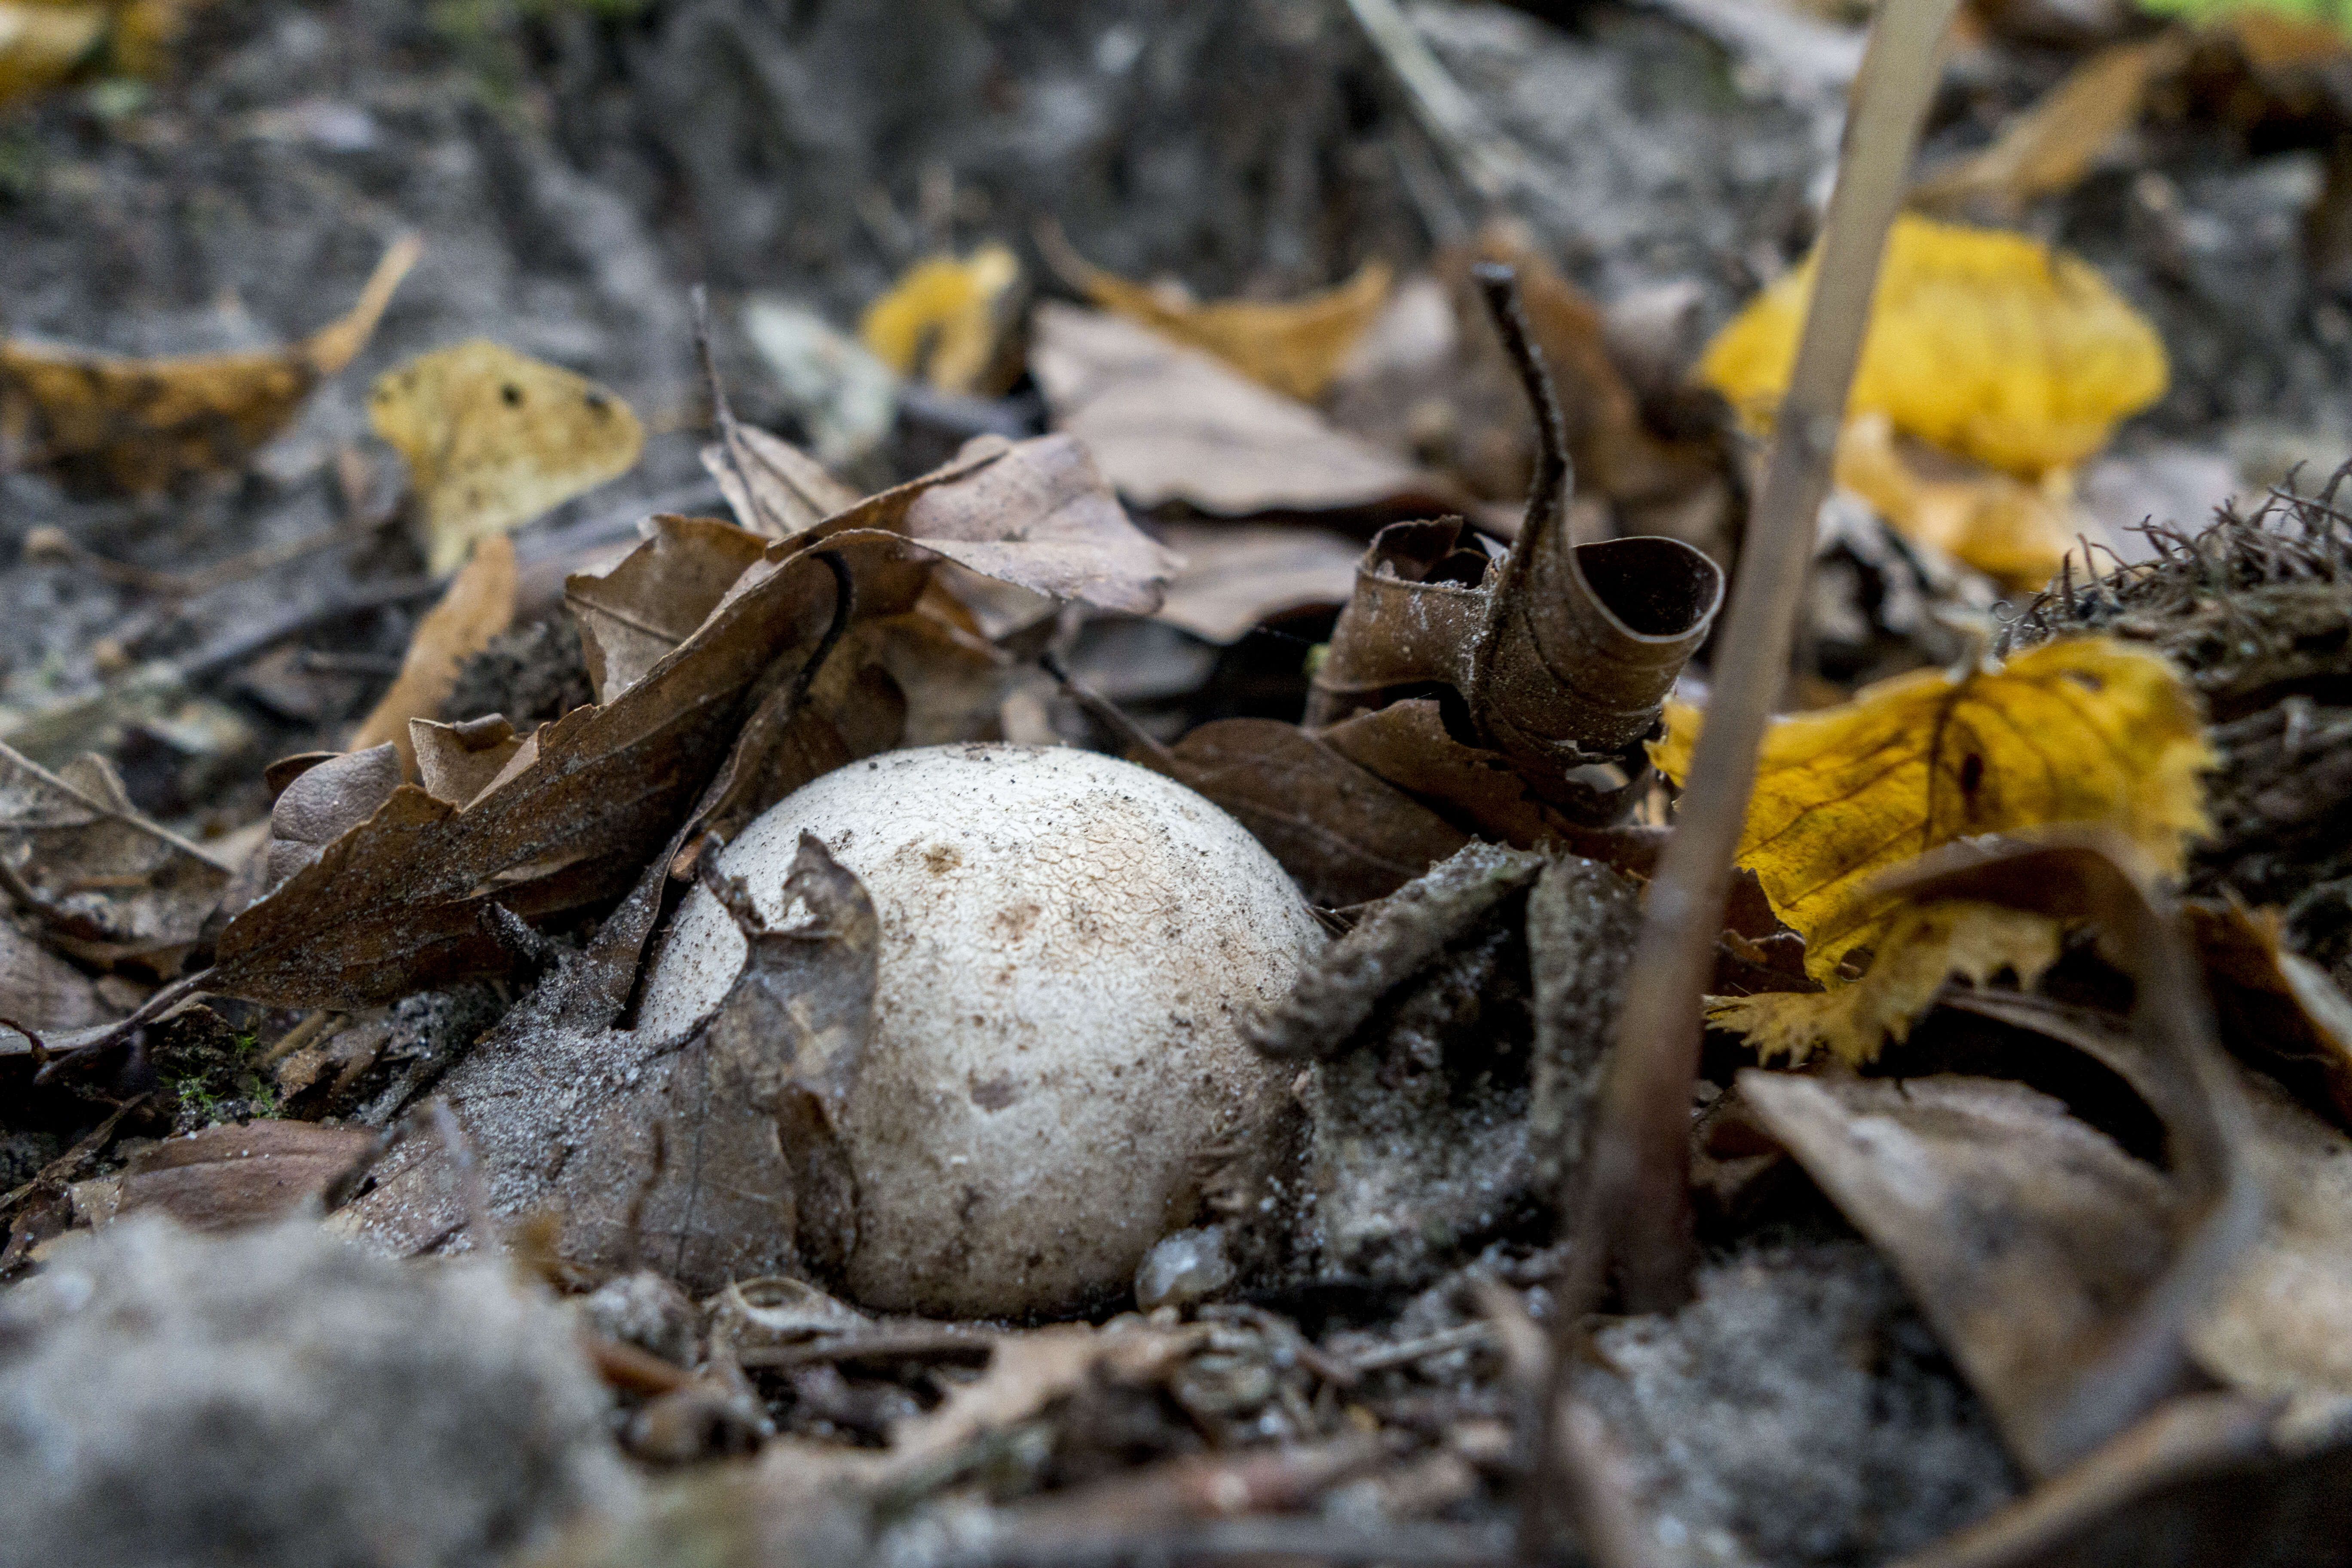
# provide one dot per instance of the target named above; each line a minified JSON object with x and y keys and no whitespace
{"x":1633,"y":1211}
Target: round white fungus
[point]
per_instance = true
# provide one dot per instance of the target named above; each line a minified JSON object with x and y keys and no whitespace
{"x":1069,"y":944}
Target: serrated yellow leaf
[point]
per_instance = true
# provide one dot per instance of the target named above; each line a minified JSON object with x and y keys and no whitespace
{"x":942,"y":319}
{"x":2084,"y":730}
{"x":1988,"y":344}
{"x":495,"y":438}
{"x":1924,"y":945}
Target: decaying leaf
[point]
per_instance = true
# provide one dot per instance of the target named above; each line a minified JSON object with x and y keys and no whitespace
{"x":1344,"y":836}
{"x":323,"y":803}
{"x":2064,"y":1276}
{"x":42,"y":992}
{"x":495,"y":438}
{"x":1987,"y":344}
{"x":712,"y":1158}
{"x":2023,"y":1233}
{"x":107,"y":885}
{"x":2281,"y":1324}
{"x":1294,"y":346}
{"x":2203,"y":1475}
{"x":2048,"y":150}
{"x":399,"y":902}
{"x":1169,"y":423}
{"x":2012,"y":530}
{"x":232,"y":1175}
{"x":1236,"y":576}
{"x":2089,"y":730}
{"x":141,"y":425}
{"x":942,"y":319}
{"x":478,"y":606}
{"x":772,"y":485}
{"x":1923,"y":946}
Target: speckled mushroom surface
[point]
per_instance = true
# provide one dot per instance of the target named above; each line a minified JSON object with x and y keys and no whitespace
{"x":1069,"y":943}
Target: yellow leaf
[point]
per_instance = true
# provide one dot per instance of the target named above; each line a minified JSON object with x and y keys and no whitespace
{"x":494,"y":438}
{"x":479,"y":604}
{"x":1923,"y":946}
{"x":2084,"y":730}
{"x":140,"y":426}
{"x":942,"y":317}
{"x":40,"y":46}
{"x":1999,"y":525}
{"x":1987,"y":344}
{"x":1294,"y":346}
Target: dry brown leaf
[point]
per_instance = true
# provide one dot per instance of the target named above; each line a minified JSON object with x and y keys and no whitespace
{"x":1236,"y":576}
{"x":458,"y":762}
{"x":773,"y":487}
{"x":42,"y":992}
{"x":2281,"y":1324}
{"x":2024,"y":1235}
{"x":711,"y":1159}
{"x":1613,"y":451}
{"x":495,"y":438}
{"x":2012,"y":530}
{"x":1924,"y":946}
{"x":478,"y":606}
{"x":636,"y":612}
{"x":400,"y":901}
{"x":1294,"y":346}
{"x":2084,"y":730}
{"x":232,"y":1175}
{"x":1169,"y":423}
{"x":2201,"y":1471}
{"x":1343,"y":834}
{"x":2048,"y":149}
{"x":108,"y":885}
{"x":326,"y":800}
{"x":141,"y":425}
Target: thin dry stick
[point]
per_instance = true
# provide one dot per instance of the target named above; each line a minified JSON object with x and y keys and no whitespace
{"x":1634,"y":1210}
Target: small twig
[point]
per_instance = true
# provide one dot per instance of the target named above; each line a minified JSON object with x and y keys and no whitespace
{"x":1490,"y":162}
{"x":86,"y":1046}
{"x":1479,"y":1335}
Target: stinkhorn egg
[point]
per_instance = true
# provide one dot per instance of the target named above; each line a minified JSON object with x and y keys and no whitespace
{"x":1069,"y":946}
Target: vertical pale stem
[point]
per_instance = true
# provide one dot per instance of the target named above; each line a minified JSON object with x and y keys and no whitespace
{"x":1634,"y":1205}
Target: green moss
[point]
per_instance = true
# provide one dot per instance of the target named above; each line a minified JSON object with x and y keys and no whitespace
{"x":2337,"y":13}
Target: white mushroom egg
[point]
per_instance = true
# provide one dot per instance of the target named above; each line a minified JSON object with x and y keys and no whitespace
{"x":1069,"y":946}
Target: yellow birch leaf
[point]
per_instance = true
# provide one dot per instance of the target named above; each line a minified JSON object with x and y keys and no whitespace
{"x":141,"y":425}
{"x":40,"y":46}
{"x":942,"y":319}
{"x":1924,"y":945}
{"x":495,"y":438}
{"x":2084,"y":730}
{"x":1988,"y":344}
{"x":1294,"y":346}
{"x":479,"y":604}
{"x":1999,"y":525}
